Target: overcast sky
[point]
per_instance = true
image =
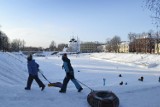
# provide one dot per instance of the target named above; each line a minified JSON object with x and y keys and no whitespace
{"x":38,"y":22}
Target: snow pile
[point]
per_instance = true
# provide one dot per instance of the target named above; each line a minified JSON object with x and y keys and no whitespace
{"x":141,"y":60}
{"x":12,"y":68}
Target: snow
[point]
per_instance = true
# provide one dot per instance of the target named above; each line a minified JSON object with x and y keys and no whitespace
{"x":90,"y":69}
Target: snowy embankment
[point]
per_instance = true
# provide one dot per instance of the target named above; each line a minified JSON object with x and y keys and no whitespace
{"x":141,"y":60}
{"x":12,"y":68}
{"x":90,"y":69}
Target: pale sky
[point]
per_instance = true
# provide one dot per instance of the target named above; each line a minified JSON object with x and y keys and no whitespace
{"x":38,"y":22}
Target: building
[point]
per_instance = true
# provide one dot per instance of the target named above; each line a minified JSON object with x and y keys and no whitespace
{"x":143,"y":44}
{"x":157,"y":48}
{"x":87,"y":47}
{"x":124,"y":47}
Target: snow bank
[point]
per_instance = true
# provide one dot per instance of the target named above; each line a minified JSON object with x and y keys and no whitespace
{"x":12,"y":68}
{"x":141,"y":60}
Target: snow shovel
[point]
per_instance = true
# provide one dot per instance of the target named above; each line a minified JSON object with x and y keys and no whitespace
{"x":55,"y":84}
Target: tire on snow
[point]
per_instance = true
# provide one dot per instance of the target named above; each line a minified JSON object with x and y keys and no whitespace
{"x":103,"y":99}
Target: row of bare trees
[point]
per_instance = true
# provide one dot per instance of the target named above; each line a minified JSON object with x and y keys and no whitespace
{"x":52,"y":47}
{"x":59,"y":47}
{"x":6,"y":45}
{"x":17,"y":45}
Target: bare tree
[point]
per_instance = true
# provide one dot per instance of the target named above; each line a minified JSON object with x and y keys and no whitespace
{"x":1,"y":42}
{"x":133,"y":42}
{"x":154,"y":7}
{"x":4,"y":42}
{"x":108,"y":45}
{"x":23,"y":44}
{"x":17,"y":45}
{"x":61,"y":46}
{"x":52,"y":46}
{"x":115,"y":42}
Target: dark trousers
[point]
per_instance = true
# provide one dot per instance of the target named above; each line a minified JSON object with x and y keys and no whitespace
{"x":30,"y":80}
{"x":66,"y":80}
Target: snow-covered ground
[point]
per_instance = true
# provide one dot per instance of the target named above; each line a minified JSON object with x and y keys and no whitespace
{"x":90,"y":69}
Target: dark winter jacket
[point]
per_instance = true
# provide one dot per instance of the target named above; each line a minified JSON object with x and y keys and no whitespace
{"x":67,"y":65}
{"x":32,"y":67}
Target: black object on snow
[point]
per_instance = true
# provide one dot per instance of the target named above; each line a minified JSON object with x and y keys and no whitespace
{"x":141,"y":78}
{"x":120,"y":75}
{"x":121,"y":83}
{"x":103,"y":99}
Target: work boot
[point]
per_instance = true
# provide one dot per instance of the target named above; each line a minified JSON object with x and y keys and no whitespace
{"x":61,"y":91}
{"x":80,"y":89}
{"x":26,"y":88}
{"x":43,"y":87}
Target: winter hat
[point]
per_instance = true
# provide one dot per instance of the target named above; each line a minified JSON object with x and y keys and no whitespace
{"x":29,"y":58}
{"x":64,"y":55}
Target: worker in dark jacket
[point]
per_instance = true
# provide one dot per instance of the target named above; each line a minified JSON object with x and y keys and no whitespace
{"x":33,"y":69}
{"x":69,"y":75}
